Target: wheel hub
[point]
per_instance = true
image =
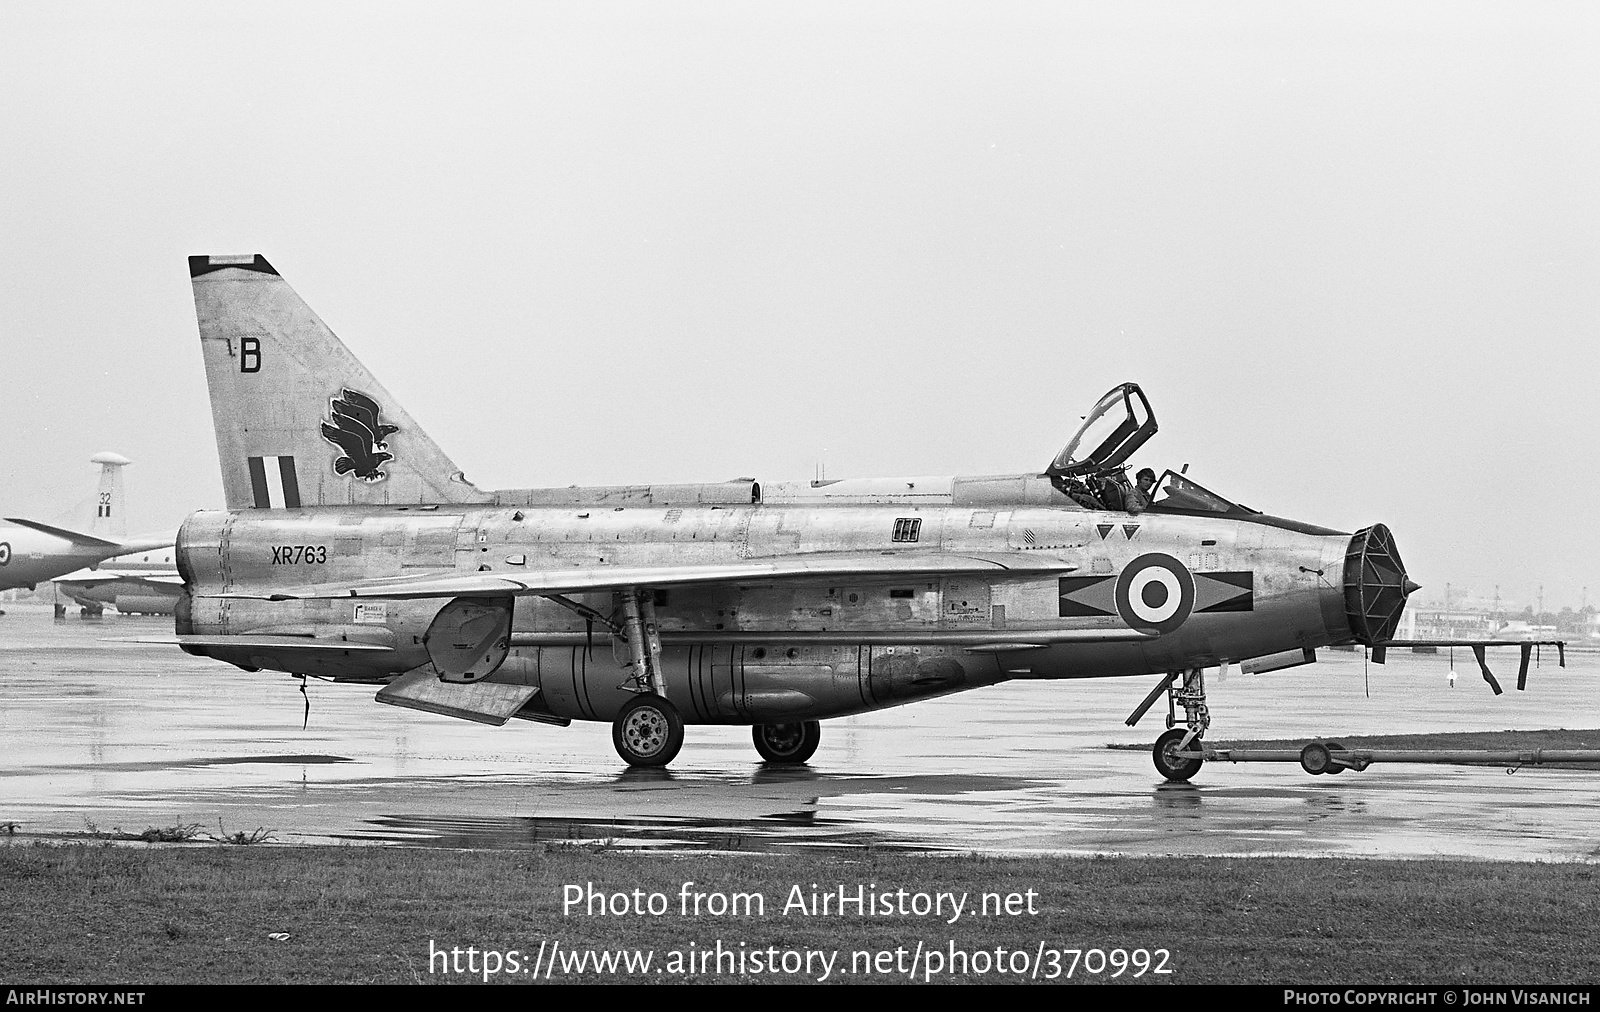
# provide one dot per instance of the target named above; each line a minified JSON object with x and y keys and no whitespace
{"x":645,"y":731}
{"x":783,"y":737}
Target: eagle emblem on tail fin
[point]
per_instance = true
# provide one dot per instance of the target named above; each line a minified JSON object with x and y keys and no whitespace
{"x":355,"y":428}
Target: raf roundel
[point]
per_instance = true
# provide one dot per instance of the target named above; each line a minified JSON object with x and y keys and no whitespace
{"x":1155,"y":593}
{"x":5,"y":553}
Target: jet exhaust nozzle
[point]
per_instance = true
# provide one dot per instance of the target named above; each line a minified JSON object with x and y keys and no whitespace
{"x":1375,"y":585}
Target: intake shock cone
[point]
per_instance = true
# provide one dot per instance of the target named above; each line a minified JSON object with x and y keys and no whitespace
{"x":1375,"y":585}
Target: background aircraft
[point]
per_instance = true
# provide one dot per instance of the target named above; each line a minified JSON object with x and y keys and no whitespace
{"x":36,"y":552}
{"x":146,"y":583}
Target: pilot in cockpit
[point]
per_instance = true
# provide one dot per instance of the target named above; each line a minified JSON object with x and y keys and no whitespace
{"x":1144,"y":489}
{"x":1117,"y":494}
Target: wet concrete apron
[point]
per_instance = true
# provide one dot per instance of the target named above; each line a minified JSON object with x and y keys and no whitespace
{"x":101,"y":734}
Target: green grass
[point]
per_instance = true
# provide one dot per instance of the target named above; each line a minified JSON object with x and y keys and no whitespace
{"x":203,"y":913}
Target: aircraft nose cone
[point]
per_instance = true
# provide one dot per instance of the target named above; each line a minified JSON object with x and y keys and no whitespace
{"x":1375,"y":585}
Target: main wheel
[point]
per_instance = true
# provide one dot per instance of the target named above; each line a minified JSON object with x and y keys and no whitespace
{"x":647,"y":731}
{"x":1176,"y":768}
{"x":787,"y":744}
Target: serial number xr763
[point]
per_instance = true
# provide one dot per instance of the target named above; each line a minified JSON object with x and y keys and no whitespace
{"x":299,"y":555}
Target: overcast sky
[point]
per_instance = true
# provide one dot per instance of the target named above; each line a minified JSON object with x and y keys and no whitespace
{"x":1350,"y":251}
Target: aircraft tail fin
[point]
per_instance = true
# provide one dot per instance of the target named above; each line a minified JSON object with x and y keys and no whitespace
{"x":110,"y":522}
{"x":299,"y":421}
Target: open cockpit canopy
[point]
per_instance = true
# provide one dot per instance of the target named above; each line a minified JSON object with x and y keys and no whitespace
{"x":1179,"y":493}
{"x":1119,"y":424}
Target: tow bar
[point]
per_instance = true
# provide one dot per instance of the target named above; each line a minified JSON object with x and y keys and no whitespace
{"x":1331,"y":757}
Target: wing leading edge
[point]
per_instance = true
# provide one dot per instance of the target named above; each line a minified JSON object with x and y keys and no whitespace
{"x":124,"y":547}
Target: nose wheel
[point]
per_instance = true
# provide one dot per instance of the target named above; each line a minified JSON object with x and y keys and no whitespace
{"x":1174,"y":767}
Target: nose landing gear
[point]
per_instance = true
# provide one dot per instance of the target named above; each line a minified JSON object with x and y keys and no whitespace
{"x":1177,"y":751}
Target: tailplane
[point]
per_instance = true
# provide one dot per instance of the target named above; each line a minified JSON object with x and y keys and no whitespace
{"x":300,"y":422}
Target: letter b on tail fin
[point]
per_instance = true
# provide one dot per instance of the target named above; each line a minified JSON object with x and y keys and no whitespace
{"x":300,"y":422}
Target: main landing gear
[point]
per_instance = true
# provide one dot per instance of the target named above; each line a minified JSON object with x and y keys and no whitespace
{"x":648,"y":730}
{"x":1177,"y":751}
{"x":787,"y":744}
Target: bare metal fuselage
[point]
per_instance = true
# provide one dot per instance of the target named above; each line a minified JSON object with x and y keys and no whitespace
{"x":748,"y":652}
{"x":353,"y":548}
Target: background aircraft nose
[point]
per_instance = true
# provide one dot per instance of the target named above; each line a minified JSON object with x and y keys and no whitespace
{"x":1375,"y":585}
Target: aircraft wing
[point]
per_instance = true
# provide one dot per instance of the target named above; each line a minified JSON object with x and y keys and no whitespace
{"x":93,"y":576}
{"x":124,"y":547}
{"x":81,"y":540}
{"x":448,"y":583}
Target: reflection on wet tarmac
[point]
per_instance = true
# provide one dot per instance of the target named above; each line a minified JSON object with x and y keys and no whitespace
{"x":1174,"y":797}
{"x":116,"y":733}
{"x":152,"y":766}
{"x":799,"y":830}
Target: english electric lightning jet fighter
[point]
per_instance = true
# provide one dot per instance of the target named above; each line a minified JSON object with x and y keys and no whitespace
{"x":33,"y":552}
{"x":353,"y":549}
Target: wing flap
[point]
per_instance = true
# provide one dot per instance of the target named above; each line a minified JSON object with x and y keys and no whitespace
{"x":793,"y":567}
{"x":484,"y":702}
